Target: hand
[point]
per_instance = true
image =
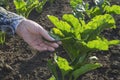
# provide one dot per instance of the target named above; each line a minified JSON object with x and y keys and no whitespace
{"x":33,"y":34}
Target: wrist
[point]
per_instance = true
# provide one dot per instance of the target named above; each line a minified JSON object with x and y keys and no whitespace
{"x":20,"y":28}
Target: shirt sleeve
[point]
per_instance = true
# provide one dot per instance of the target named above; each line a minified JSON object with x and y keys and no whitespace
{"x":9,"y":21}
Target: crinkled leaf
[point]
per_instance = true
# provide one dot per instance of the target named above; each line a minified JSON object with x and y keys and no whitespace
{"x":63,"y":64}
{"x":57,"y":32}
{"x":115,"y":9}
{"x":54,"y":20}
{"x":100,"y":44}
{"x":97,"y":25}
{"x":114,"y":42}
{"x":101,"y":20}
{"x":62,"y":25}
{"x":75,"y":23}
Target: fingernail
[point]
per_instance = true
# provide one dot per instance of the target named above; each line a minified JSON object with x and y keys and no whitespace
{"x":52,"y":39}
{"x":55,"y":45}
{"x":52,"y":49}
{"x":59,"y":42}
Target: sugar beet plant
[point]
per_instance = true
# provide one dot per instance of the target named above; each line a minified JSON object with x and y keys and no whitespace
{"x":24,"y":7}
{"x":80,"y":37}
{"x":90,"y":9}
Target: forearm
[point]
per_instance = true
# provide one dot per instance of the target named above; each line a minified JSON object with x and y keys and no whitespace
{"x":9,"y":21}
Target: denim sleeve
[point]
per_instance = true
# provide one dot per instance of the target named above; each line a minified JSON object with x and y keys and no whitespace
{"x":9,"y":21}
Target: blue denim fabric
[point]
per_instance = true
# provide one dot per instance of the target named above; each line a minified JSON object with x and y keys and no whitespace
{"x":9,"y":21}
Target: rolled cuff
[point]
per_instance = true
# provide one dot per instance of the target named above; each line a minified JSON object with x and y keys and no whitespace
{"x":16,"y":22}
{"x":9,"y":21}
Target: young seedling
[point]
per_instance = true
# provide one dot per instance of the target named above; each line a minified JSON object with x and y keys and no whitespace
{"x":24,"y":7}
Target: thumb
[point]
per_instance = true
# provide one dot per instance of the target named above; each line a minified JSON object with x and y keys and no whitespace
{"x":45,"y":35}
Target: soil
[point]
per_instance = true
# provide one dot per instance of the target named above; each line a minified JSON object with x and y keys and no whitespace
{"x":18,"y":61}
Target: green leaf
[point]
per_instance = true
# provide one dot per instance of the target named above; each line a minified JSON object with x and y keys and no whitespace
{"x":54,"y":20}
{"x":40,"y":6}
{"x":24,"y":7}
{"x":63,"y":64}
{"x":80,"y":34}
{"x":100,"y":44}
{"x":114,"y":42}
{"x":97,"y":25}
{"x":59,"y":24}
{"x":52,"y":78}
{"x":94,"y":11}
{"x":71,"y":48}
{"x":52,"y":67}
{"x":63,"y":26}
{"x":115,"y":9}
{"x":100,"y":20}
{"x":75,"y":23}
{"x":19,"y":4}
{"x":84,"y":69}
{"x":74,"y":3}
{"x":58,"y":32}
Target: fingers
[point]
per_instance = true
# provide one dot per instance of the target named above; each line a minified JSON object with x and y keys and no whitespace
{"x":45,"y":35}
{"x":59,"y":42}
{"x":40,"y":48}
{"x":45,"y":46}
{"x":51,"y":49}
{"x":49,"y":46}
{"x":39,"y":43}
{"x":54,"y":45}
